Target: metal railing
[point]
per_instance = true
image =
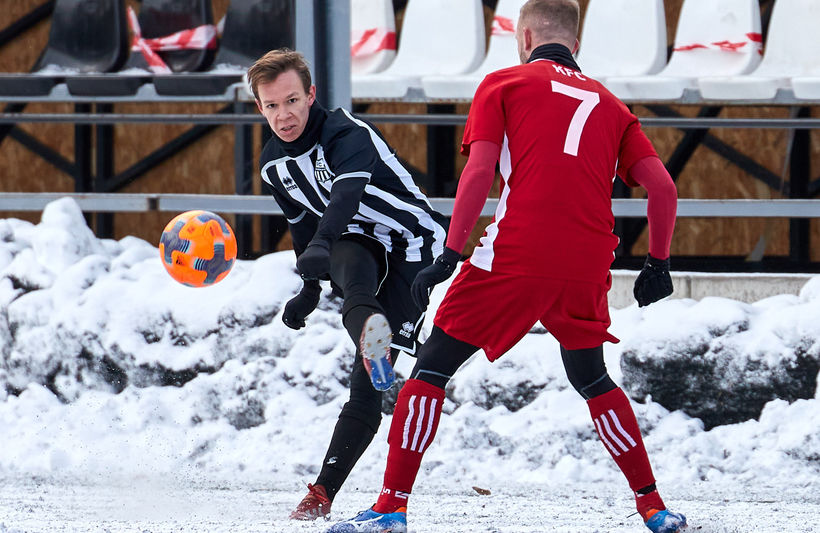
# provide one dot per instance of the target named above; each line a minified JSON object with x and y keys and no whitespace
{"x":265,"y":205}
{"x":383,"y":118}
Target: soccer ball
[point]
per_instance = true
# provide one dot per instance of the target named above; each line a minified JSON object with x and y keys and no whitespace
{"x":198,"y":248}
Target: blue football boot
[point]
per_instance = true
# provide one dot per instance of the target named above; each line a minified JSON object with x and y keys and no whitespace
{"x":375,"y":348}
{"x":372,"y":522}
{"x":666,"y":522}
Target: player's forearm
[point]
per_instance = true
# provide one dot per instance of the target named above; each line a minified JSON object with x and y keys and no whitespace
{"x":301,"y":232}
{"x":662,"y":203}
{"x":345,"y":196}
{"x":474,"y":185}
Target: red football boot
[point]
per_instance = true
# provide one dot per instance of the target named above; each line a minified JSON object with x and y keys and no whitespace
{"x":314,"y":505}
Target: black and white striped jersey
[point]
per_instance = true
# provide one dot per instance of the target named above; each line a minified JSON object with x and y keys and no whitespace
{"x":392,"y":209}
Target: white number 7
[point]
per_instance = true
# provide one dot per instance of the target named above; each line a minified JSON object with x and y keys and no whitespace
{"x":588,"y":100}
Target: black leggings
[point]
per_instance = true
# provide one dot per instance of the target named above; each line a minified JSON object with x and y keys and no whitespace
{"x":356,"y":272}
{"x":442,"y":355}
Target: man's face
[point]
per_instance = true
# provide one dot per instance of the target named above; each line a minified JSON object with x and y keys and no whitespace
{"x":285,"y":104}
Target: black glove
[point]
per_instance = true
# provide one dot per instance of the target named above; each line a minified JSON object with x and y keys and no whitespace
{"x":301,"y":305}
{"x":654,"y":281}
{"x":441,"y":269}
{"x":314,"y":262}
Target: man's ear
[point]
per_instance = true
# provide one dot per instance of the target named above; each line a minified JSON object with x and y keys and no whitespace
{"x":258,"y":104}
{"x":311,"y":94}
{"x":527,"y":40}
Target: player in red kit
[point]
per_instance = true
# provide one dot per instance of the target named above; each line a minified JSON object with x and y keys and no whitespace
{"x":559,"y":139}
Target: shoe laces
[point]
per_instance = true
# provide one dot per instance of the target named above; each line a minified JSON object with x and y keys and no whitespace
{"x":316,"y":495}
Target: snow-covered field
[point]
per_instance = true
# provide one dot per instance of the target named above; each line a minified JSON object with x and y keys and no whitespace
{"x":131,"y":403}
{"x":163,"y":505}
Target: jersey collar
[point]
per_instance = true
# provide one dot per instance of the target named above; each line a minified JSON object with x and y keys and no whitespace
{"x":555,"y":52}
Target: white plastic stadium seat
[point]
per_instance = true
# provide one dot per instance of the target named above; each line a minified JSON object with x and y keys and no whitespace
{"x":714,"y":38}
{"x":502,"y":52}
{"x":437,"y":37}
{"x":372,"y":35}
{"x":806,"y":87}
{"x":790,"y":58}
{"x":623,"y":38}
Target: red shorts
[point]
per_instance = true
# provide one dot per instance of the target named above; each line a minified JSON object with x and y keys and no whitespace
{"x":494,"y":310}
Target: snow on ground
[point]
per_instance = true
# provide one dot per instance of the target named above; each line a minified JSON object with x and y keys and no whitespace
{"x":97,"y":438}
{"x":155,"y":505}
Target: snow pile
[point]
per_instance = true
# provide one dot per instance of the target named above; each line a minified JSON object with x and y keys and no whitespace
{"x":105,"y":357}
{"x":723,"y":361}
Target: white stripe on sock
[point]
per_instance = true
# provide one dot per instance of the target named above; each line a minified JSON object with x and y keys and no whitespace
{"x":419,"y":424}
{"x":604,"y":439}
{"x":405,"y":436}
{"x":621,"y":430}
{"x":612,"y":435}
{"x":430,"y":420}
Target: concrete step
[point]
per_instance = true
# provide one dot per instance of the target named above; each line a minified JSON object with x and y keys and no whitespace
{"x":744,"y":287}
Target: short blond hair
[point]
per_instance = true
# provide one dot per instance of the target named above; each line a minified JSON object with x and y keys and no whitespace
{"x":552,"y":19}
{"x":268,"y":67}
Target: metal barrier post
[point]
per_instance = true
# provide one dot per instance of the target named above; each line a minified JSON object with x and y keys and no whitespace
{"x":441,"y":153}
{"x":243,"y":179}
{"x":799,"y":163}
{"x":104,"y":169}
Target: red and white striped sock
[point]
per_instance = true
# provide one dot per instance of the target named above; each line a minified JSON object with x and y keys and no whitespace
{"x":618,"y":429}
{"x":415,"y":420}
{"x":647,"y":503}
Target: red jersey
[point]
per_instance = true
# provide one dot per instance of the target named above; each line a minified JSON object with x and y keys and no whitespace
{"x":563,"y":137}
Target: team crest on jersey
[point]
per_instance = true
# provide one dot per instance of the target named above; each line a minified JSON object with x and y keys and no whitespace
{"x":320,"y":169}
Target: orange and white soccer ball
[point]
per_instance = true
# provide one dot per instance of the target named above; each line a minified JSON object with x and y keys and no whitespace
{"x":198,"y":248}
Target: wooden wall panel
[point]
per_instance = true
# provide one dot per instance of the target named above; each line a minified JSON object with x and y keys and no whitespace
{"x":207,"y":166}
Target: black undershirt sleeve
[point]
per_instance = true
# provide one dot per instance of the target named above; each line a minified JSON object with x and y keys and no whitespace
{"x":345,"y":196}
{"x":301,"y":233}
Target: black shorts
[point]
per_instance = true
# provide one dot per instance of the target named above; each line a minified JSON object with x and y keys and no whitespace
{"x":396,"y":277}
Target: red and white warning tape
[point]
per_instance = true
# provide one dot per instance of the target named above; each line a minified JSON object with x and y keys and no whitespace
{"x":368,"y":42}
{"x":503,"y":25}
{"x":752,"y":40}
{"x":198,"y":38}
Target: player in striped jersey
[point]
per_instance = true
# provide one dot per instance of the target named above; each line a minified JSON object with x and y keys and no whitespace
{"x":357,"y":219}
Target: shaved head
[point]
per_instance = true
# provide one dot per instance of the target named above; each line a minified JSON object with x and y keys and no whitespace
{"x":547,"y":21}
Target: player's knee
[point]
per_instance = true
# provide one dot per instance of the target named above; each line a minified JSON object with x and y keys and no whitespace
{"x":587,"y":372}
{"x":428,"y":367}
{"x":363,"y":300}
{"x":439,"y":358}
{"x":432,"y":377}
{"x":590,"y":388}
